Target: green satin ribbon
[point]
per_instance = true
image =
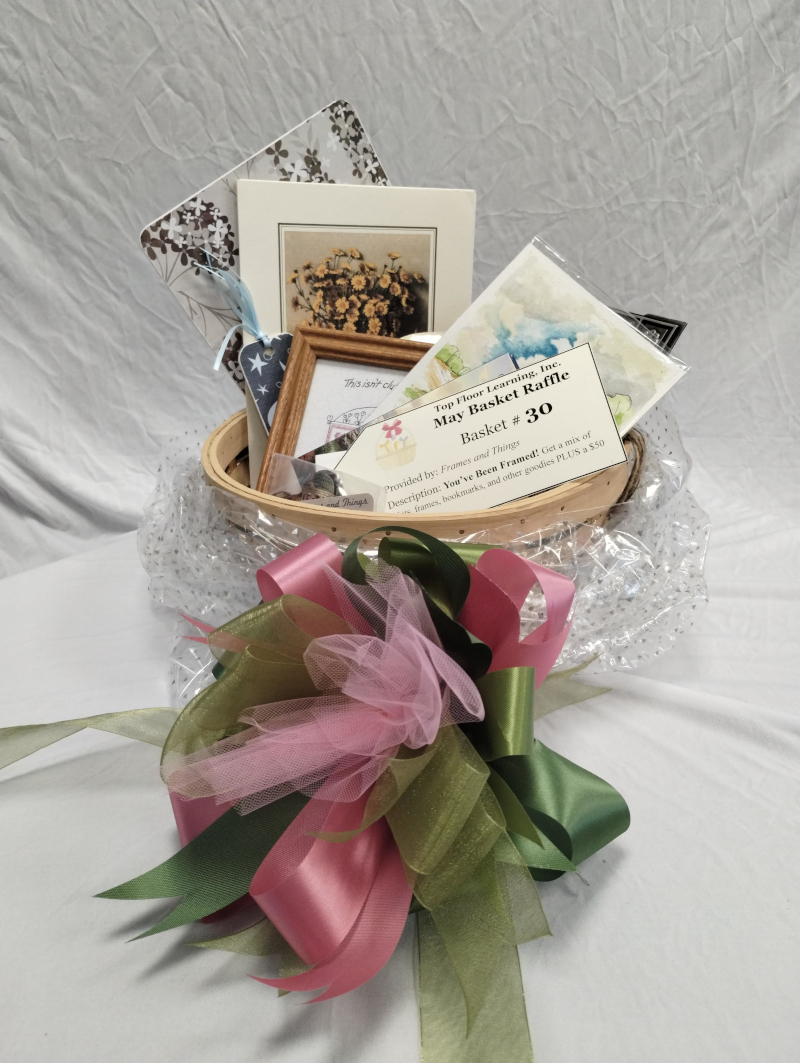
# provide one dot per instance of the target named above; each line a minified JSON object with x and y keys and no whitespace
{"x":445,"y":575}
{"x":539,"y":852}
{"x":507,"y":727}
{"x":215,"y":868}
{"x":577,"y":811}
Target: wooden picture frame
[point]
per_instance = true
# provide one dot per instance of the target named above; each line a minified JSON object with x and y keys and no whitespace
{"x":310,"y":344}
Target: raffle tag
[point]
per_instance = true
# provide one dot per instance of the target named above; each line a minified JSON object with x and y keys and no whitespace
{"x":508,"y":438}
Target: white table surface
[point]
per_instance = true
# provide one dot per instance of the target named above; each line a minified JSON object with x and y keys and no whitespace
{"x":683,"y":948}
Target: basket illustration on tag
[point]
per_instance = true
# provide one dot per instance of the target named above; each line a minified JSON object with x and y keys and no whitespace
{"x":397,"y":446}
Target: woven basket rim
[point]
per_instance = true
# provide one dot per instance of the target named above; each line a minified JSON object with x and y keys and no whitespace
{"x":589,"y":498}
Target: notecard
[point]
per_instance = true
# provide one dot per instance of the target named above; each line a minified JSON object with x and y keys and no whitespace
{"x":537,"y":310}
{"x":536,"y":428}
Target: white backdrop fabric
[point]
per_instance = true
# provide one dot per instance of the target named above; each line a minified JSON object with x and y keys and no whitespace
{"x":656,"y":147}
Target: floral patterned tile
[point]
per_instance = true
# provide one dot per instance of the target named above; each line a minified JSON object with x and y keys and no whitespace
{"x":329,"y":147}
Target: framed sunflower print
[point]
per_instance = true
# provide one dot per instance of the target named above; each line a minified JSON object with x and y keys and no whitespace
{"x":373,"y":260}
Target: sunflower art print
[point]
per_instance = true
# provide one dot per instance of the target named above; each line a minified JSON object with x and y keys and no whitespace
{"x":344,"y":291}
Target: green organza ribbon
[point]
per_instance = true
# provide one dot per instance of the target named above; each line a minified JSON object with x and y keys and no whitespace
{"x":261,"y":654}
{"x":145,"y":725}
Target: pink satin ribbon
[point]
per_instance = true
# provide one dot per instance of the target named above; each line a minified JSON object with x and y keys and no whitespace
{"x":499,"y":585}
{"x":193,"y":816}
{"x":340,"y":905}
{"x":301,"y":571}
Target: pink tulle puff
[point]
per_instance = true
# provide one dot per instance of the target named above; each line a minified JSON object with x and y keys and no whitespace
{"x":388,"y":684}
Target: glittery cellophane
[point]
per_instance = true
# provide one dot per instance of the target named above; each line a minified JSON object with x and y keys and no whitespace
{"x":639,"y":577}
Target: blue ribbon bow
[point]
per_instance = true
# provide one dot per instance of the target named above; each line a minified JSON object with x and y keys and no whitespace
{"x":237,"y":295}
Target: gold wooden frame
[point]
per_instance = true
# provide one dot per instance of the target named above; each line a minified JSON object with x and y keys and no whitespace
{"x":308,"y":345}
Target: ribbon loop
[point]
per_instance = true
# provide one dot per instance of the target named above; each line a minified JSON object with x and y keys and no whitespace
{"x":454,"y":571}
{"x":239,"y":300}
{"x":576,"y":810}
{"x":507,"y":726}
{"x":301,"y":571}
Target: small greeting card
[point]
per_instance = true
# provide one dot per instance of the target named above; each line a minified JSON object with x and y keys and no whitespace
{"x":329,"y":147}
{"x":531,"y":430}
{"x":535,"y":310}
{"x":665,"y":331}
{"x":263,"y":371}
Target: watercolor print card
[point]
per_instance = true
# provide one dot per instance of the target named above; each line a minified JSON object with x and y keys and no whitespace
{"x":535,"y":310}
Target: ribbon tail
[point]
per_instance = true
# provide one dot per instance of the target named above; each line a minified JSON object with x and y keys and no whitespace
{"x":144,"y":725}
{"x":224,"y":345}
{"x":199,"y":624}
{"x":260,"y":939}
{"x":216,"y":867}
{"x":369,"y":944}
{"x":471,"y":998}
{"x":501,"y":1028}
{"x":240,"y":302}
{"x":561,"y":688}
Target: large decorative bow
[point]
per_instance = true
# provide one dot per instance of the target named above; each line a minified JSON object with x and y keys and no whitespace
{"x":368,"y":748}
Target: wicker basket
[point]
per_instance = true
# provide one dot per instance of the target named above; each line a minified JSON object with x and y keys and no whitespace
{"x":590,"y":498}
